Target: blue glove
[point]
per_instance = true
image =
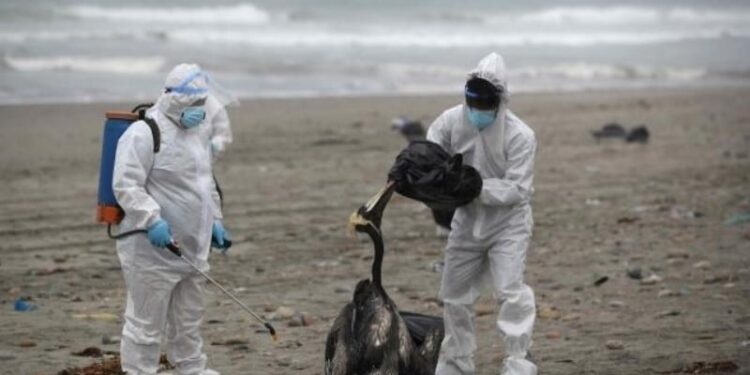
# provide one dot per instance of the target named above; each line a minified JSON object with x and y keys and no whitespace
{"x":159,"y":234}
{"x":220,"y":238}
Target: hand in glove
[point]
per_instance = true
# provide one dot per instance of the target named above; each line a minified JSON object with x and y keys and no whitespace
{"x":220,"y":238}
{"x":159,"y":234}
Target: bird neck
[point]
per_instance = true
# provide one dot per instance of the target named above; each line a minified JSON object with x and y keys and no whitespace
{"x":377,"y":261}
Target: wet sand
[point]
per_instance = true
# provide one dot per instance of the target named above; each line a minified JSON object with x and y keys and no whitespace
{"x":299,"y":167}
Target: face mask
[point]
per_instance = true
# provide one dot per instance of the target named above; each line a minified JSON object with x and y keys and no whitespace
{"x":481,"y":119}
{"x":192,"y":117}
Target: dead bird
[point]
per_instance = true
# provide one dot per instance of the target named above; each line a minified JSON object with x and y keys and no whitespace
{"x":639,"y":134}
{"x":611,"y":130}
{"x":370,"y":336}
{"x":410,"y":129}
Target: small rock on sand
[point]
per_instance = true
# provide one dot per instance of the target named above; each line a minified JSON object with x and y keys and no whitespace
{"x":109,"y":340}
{"x":614,"y":344}
{"x":667,"y":313}
{"x":27,"y":344}
{"x":282,"y":313}
{"x":651,"y":280}
{"x":635,"y":272}
{"x":702,"y":265}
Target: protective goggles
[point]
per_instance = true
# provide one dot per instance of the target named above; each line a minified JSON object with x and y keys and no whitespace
{"x":481,"y":94}
{"x":184,"y":87}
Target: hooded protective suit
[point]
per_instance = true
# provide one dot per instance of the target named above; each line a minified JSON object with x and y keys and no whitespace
{"x":174,"y":185}
{"x":490,"y":234}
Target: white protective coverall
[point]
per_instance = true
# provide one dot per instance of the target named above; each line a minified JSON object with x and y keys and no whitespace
{"x":216,"y":130}
{"x":175,"y":185}
{"x":490,"y":234}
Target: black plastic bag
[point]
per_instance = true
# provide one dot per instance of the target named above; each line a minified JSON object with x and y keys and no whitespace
{"x":425,"y":172}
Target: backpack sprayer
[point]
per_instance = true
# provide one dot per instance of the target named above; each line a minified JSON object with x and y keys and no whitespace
{"x":109,"y":212}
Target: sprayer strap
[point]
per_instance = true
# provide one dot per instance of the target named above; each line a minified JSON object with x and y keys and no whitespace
{"x":154,"y":132}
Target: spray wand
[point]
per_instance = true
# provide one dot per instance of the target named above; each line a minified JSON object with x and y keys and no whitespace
{"x":172,"y":247}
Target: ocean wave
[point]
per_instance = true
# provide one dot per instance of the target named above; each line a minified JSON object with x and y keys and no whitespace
{"x":592,"y":72}
{"x":114,"y":65}
{"x":441,"y":40}
{"x":622,"y":16}
{"x":247,"y":14}
{"x":19,"y":37}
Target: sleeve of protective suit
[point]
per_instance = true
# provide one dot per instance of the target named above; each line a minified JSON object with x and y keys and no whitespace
{"x":439,"y":133}
{"x":222,"y":131}
{"x":133,"y":161}
{"x":216,"y":200}
{"x":515,"y":187}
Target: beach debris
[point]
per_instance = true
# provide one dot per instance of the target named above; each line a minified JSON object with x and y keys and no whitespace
{"x":639,"y":134}
{"x":610,"y":130}
{"x":600,"y":281}
{"x":616,"y":304}
{"x":302,"y":319}
{"x":593,"y":202}
{"x":682,"y":213}
{"x":7,"y":355}
{"x":627,"y":220}
{"x":677,"y":254}
{"x":614,"y":344}
{"x":702,"y":367}
{"x":651,"y":280}
{"x":553,"y":335}
{"x":666,"y":313}
{"x":91,"y":351}
{"x":109,"y":340}
{"x":282,"y":313}
{"x":548,"y":312}
{"x":49,"y":271}
{"x":22,"y":304}
{"x":737,"y":219}
{"x":26,"y":344}
{"x":702,"y":265}
{"x":230,"y":342}
{"x":667,"y":293}
{"x":110,"y":365}
{"x":634,"y":272}
{"x":716,"y":279}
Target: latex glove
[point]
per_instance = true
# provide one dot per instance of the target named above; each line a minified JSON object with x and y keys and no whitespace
{"x":220,"y":238}
{"x":159,"y":234}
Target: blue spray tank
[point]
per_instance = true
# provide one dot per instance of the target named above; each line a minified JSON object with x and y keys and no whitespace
{"x":108,"y":211}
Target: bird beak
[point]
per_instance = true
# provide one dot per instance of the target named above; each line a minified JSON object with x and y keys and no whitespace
{"x":371,"y":213}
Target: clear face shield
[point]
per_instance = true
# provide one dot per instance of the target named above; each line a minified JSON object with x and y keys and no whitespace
{"x":192,"y":92}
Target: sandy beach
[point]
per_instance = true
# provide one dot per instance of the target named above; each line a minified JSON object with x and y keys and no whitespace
{"x":299,"y":167}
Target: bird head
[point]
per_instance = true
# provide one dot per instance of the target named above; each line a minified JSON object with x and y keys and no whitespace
{"x":368,"y":217}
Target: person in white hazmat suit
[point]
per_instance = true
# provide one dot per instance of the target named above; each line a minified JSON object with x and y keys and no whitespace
{"x":216,"y":130}
{"x":489,"y":236}
{"x":171,"y":193}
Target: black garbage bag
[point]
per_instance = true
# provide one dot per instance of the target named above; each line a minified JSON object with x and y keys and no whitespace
{"x":425,"y":172}
{"x":420,"y":325}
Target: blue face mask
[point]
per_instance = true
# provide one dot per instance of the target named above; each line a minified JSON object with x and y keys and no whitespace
{"x":481,"y":119}
{"x":192,"y":117}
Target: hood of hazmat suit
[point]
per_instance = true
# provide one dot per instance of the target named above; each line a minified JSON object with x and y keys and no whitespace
{"x":489,"y":236}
